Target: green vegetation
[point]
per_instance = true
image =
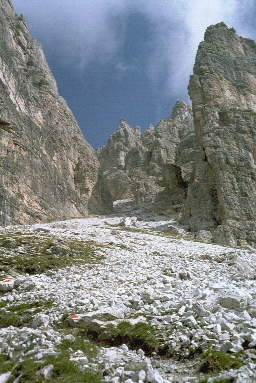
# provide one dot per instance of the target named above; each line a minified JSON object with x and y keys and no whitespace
{"x":216,"y":361}
{"x":141,"y":335}
{"x":79,"y":343}
{"x":20,"y":315}
{"x":64,"y":371}
{"x":218,"y":380}
{"x":5,"y":364}
{"x":35,"y":254}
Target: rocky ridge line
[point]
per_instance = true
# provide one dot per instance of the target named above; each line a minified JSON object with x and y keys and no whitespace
{"x":149,"y":167}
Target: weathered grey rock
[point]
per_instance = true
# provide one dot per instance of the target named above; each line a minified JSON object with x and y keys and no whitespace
{"x":47,"y":168}
{"x":221,"y":197}
{"x":128,"y":221}
{"x":5,"y":377}
{"x":147,"y":167}
{"x":46,"y":372}
{"x":40,"y":320}
{"x":204,"y":235}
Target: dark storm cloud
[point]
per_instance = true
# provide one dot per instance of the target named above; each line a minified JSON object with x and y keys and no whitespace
{"x":126,"y":59}
{"x":85,"y":30}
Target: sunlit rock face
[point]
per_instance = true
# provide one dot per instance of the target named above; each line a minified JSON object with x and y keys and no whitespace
{"x":222,"y":196}
{"x":153,"y":166}
{"x":47,"y":169}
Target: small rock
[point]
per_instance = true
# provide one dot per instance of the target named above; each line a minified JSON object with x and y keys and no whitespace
{"x":128,"y":221}
{"x":190,"y":321}
{"x":226,"y":347}
{"x":5,"y":377}
{"x":80,"y":360}
{"x":7,"y":284}
{"x":40,"y":320}
{"x":184,"y":275}
{"x":69,"y":337}
{"x":46,"y":372}
{"x":141,"y":353}
{"x":226,"y":326}
{"x":142,"y":375}
{"x":24,"y":284}
{"x":154,"y":376}
{"x":204,"y":235}
{"x":124,"y":348}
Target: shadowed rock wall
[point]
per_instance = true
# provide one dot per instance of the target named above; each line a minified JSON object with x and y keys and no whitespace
{"x":150,"y":166}
{"x":47,"y":169}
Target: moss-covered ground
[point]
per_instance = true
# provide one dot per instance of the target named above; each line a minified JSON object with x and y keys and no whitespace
{"x":64,"y":370}
{"x":137,"y":336}
{"x":217,"y":361}
{"x":30,"y":253}
{"x":21,"y":315}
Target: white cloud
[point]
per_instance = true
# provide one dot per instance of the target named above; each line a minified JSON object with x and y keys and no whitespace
{"x":180,"y":26}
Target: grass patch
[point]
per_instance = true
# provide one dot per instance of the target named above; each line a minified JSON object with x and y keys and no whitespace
{"x":35,"y":254}
{"x":3,"y":304}
{"x":6,"y":365}
{"x":135,"y":230}
{"x":88,"y":348}
{"x":20,"y":315}
{"x":141,"y":335}
{"x":217,"y":361}
{"x":64,"y":370}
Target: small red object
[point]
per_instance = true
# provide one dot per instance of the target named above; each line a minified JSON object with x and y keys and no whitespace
{"x":73,"y":316}
{"x":7,"y":280}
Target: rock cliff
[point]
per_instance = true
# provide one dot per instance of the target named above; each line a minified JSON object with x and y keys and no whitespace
{"x":150,"y":166}
{"x":222,"y":196}
{"x":47,"y":169}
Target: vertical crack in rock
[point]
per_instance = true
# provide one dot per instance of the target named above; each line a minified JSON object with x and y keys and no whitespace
{"x":221,"y":197}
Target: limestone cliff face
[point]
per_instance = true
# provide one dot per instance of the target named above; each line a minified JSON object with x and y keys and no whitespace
{"x":222,"y":196}
{"x":148,"y":166}
{"x":47,"y":169}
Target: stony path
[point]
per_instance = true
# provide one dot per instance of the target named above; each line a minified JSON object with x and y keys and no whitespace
{"x":197,"y":295}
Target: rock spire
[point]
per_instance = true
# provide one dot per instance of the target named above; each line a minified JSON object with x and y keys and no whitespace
{"x":222,"y":195}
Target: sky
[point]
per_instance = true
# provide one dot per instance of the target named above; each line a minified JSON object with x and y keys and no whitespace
{"x":126,"y":59}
